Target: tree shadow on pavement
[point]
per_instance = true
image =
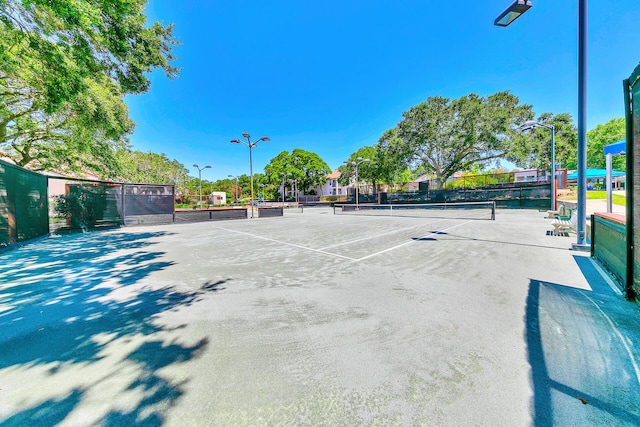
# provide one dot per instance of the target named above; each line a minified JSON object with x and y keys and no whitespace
{"x":70,"y":303}
{"x":580,"y":348}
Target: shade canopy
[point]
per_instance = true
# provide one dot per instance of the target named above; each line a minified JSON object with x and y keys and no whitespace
{"x":596,"y":173}
{"x":619,"y":147}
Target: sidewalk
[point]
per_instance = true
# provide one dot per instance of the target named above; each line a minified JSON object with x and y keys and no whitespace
{"x":599,"y":205}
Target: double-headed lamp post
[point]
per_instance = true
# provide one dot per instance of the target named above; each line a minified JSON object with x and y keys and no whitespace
{"x":250,"y":144}
{"x":510,"y":14}
{"x":357,"y":163}
{"x":532,"y":124}
{"x":200,"y":179}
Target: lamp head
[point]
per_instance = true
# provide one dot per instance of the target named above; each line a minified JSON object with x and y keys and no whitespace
{"x":196,"y":166}
{"x":265,"y":138}
{"x":246,"y":135}
{"x":235,"y":141}
{"x":523,"y":129}
{"x":207,"y":167}
{"x":512,"y":12}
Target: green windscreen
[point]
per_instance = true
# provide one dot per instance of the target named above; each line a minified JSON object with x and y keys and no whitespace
{"x":23,"y":204}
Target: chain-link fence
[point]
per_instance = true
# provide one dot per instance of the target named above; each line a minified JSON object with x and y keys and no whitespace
{"x":517,"y":196}
{"x":83,"y":204}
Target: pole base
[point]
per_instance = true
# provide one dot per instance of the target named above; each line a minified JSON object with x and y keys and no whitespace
{"x":583,"y":247}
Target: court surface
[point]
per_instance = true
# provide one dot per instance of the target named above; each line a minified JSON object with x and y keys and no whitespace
{"x":316,"y":319}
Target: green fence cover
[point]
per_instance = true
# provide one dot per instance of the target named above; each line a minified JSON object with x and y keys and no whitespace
{"x":23,"y":204}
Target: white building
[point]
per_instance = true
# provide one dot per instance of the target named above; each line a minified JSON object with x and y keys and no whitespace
{"x":217,"y":198}
{"x":332,"y":187}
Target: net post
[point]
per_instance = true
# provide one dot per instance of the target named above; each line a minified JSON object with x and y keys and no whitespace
{"x":493,"y":210}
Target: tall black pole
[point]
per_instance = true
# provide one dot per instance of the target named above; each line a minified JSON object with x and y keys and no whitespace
{"x":582,"y":125}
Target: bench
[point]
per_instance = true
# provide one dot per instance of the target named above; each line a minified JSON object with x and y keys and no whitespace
{"x":566,"y":225}
{"x":560,"y":212}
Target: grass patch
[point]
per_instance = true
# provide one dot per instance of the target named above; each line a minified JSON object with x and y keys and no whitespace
{"x":617,"y":199}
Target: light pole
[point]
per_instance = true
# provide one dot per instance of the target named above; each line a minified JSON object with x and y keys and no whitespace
{"x":231,"y":176}
{"x":283,"y":175}
{"x":250,"y":145}
{"x":200,"y":179}
{"x":357,"y":163}
{"x":531,"y":124}
{"x":509,"y":15}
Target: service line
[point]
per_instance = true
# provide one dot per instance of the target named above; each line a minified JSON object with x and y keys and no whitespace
{"x":435,"y":233}
{"x":376,"y":236}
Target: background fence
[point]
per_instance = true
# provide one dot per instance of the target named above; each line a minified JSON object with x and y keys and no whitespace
{"x":519,"y":195}
{"x":83,"y":204}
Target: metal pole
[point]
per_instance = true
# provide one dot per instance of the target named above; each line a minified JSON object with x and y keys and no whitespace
{"x":200,"y":186}
{"x":357,"y":189}
{"x":553,"y":168}
{"x":251,"y":173}
{"x":609,"y":158}
{"x":582,"y":126}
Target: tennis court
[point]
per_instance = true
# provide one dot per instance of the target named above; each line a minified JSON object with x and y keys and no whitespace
{"x":315,"y":319}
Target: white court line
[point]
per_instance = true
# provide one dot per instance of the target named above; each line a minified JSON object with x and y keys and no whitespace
{"x":338,"y":255}
{"x":286,"y":243}
{"x":411,"y":241}
{"x":376,"y":236}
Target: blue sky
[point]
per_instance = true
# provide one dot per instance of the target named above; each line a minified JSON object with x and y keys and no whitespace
{"x":332,"y":76}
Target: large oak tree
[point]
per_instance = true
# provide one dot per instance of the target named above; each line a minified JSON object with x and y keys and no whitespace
{"x":444,"y":136}
{"x":64,"y":68}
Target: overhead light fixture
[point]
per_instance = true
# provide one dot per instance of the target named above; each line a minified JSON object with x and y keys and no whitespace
{"x":512,"y":12}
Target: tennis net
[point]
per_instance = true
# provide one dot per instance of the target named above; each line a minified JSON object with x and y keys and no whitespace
{"x":456,"y":210}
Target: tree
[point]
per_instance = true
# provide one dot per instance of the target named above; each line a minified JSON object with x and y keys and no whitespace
{"x":391,"y":167}
{"x":305,"y":167}
{"x":445,"y":136}
{"x":612,"y":131}
{"x":152,"y":168}
{"x":533,"y":148}
{"x":64,"y":68}
{"x":382,"y":167}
